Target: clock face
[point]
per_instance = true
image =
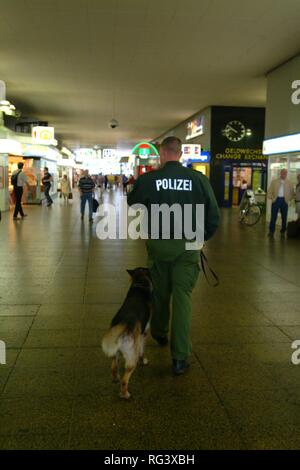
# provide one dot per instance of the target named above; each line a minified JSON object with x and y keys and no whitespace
{"x":235,"y":131}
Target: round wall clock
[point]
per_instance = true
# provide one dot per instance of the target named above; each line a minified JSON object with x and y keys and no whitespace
{"x":235,"y":131}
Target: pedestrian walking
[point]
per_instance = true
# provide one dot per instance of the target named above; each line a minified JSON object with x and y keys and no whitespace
{"x":281,"y":192}
{"x":19,"y":180}
{"x":65,"y":188}
{"x":47,"y":180}
{"x":124,"y":184}
{"x":86,"y":187}
{"x":174,"y":269}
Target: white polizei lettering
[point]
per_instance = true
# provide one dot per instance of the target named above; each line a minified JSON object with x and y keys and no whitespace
{"x":165,"y":183}
{"x":170,"y":184}
{"x":186,"y":185}
{"x":179,"y":185}
{"x":174,"y":184}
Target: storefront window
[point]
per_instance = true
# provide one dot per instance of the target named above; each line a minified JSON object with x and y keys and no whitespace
{"x":276,"y":165}
{"x":294,"y":168}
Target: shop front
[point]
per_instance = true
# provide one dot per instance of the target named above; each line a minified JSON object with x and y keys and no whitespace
{"x":66,"y":166}
{"x":7,"y":148}
{"x":284,"y":153}
{"x":35,"y":159}
{"x":237,"y":161}
{"x":237,"y":176}
{"x":282,"y":135}
{"x":225,"y":144}
{"x":193,"y":157}
{"x":147,"y":158}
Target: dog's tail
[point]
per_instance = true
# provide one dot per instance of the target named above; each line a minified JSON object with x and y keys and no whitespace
{"x":110,"y":343}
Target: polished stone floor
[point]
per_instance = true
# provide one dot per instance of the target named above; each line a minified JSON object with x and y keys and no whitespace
{"x":60,"y":286}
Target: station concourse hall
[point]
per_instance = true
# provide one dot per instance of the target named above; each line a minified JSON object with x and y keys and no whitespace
{"x":149,"y":231}
{"x":60,"y":287}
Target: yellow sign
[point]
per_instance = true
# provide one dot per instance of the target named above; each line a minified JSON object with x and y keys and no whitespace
{"x":241,"y":154}
{"x":43,"y":135}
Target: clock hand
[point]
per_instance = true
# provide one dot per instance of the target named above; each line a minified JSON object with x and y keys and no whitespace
{"x":232,"y":129}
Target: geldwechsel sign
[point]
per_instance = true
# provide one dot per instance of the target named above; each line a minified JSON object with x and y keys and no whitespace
{"x":241,"y":154}
{"x":237,"y":135}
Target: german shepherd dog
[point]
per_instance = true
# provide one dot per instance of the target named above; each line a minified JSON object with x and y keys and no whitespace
{"x":129,"y":328}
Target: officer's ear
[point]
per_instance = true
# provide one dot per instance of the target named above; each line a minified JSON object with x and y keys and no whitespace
{"x":130,"y":272}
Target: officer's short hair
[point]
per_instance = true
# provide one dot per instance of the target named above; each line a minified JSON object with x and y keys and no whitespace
{"x":172,"y":144}
{"x":20,"y":165}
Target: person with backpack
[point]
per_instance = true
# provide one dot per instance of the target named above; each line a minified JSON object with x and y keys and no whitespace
{"x":47,"y":179}
{"x":18,"y":181}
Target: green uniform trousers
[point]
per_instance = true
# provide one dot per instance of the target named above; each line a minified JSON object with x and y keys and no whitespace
{"x":174,"y":272}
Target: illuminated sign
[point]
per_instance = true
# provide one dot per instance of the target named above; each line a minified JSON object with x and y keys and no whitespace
{"x":144,"y":150}
{"x":84,"y":154}
{"x":109,"y":153}
{"x":10,"y":146}
{"x":43,"y":135}
{"x":288,"y":143}
{"x":204,"y":157}
{"x":191,"y":150}
{"x":195,"y":128}
{"x":241,"y":154}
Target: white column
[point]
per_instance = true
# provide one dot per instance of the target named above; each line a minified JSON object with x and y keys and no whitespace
{"x":4,"y":192}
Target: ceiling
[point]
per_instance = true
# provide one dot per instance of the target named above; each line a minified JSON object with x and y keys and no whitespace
{"x":148,"y":63}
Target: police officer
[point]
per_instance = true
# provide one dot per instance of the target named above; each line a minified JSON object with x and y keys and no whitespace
{"x":174,"y":269}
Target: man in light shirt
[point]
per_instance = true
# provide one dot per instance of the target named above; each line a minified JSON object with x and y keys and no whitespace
{"x":20,"y":179}
{"x":281,"y":192}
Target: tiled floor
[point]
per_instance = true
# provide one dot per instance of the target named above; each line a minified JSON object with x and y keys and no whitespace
{"x":59,"y":287}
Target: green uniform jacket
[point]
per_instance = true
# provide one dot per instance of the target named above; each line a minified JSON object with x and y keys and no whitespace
{"x":174,"y":183}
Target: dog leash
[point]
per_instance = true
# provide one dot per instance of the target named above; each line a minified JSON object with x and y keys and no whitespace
{"x":204,"y":264}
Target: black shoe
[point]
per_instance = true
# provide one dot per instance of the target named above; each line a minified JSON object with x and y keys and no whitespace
{"x":271,"y":234}
{"x":161,"y":340}
{"x":24,"y":215}
{"x":180,"y":366}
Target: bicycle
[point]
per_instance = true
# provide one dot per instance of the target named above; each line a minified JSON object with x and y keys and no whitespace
{"x":249,"y":210}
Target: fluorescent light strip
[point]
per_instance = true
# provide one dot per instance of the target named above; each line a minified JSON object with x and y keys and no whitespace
{"x":285,"y":144}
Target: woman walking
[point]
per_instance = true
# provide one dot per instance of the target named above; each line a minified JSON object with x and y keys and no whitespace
{"x":65,"y":188}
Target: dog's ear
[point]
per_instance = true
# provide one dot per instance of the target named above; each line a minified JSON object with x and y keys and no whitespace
{"x":130,"y":272}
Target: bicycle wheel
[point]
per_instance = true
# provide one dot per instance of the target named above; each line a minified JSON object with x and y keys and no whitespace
{"x":252,"y":215}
